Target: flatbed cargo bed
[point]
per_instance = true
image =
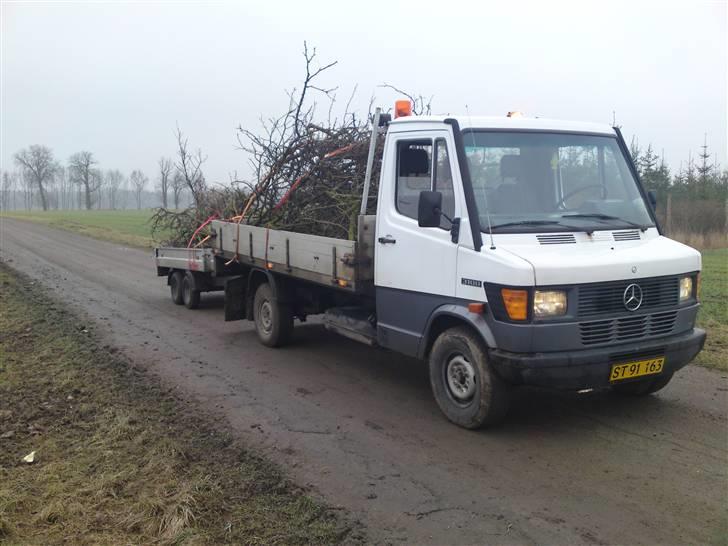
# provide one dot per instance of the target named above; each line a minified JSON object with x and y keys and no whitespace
{"x":339,"y":263}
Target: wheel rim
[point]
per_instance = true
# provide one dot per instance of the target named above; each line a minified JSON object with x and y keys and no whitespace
{"x":460,"y":378}
{"x":265,"y":316}
{"x":187,"y":294}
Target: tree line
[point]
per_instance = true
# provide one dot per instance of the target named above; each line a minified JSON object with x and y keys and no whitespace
{"x":700,"y":185}
{"x":42,"y":181}
{"x":697,"y":178}
{"x":693,"y":199}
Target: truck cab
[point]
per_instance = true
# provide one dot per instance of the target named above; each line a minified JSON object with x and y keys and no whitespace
{"x":517,"y":251}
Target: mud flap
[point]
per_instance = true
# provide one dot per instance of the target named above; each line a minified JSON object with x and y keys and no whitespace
{"x":234,"y":298}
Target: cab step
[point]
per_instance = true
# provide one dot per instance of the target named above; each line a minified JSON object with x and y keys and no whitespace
{"x":357,"y":323}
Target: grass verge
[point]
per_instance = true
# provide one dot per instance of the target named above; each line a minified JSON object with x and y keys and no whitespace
{"x":119,"y":459}
{"x":713,"y":315}
{"x":125,"y":227}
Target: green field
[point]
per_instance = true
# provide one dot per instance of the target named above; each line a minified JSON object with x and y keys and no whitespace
{"x":713,"y":315}
{"x":126,"y":227}
{"x":131,"y":227}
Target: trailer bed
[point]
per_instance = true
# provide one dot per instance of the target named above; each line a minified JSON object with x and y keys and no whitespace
{"x":190,"y":259}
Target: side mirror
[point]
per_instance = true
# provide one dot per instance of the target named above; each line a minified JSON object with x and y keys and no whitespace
{"x":429,"y":209}
{"x":652,"y":198}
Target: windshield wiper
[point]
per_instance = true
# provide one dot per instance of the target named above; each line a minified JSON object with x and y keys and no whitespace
{"x":540,"y":223}
{"x":598,"y":216}
{"x":526,"y":223}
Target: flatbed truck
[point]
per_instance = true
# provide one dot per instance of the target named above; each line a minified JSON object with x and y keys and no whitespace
{"x":505,"y":251}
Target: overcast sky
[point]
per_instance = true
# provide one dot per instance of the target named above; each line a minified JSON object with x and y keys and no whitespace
{"x":116,"y":77}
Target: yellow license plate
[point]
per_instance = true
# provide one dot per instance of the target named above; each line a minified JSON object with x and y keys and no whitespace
{"x":629,"y":370}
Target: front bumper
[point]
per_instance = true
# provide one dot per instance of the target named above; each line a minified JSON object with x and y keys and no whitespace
{"x":590,"y":368}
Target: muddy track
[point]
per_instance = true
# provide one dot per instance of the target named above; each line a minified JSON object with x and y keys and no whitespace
{"x":360,"y":424}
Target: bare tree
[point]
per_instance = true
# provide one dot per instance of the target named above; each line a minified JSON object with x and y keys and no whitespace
{"x":27,"y":185}
{"x":177,"y":185}
{"x":81,"y":171}
{"x":114,"y":180}
{"x":63,"y":188}
{"x":8,"y":187}
{"x":189,"y":165}
{"x":38,"y":167}
{"x":165,"y":178}
{"x":138,"y":181}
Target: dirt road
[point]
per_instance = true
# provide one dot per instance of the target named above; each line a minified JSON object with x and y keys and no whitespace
{"x":361,"y":426}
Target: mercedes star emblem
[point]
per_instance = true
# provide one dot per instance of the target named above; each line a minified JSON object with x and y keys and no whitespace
{"x":632,"y":297}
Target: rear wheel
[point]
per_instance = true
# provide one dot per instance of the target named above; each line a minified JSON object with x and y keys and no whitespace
{"x":643,"y":387}
{"x":175,"y":287}
{"x":190,"y":295}
{"x":273,"y":320}
{"x":465,"y":386}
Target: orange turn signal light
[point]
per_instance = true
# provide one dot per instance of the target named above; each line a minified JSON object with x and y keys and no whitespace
{"x":477,"y":308}
{"x":269,"y":265}
{"x":516,"y":302}
{"x":402,"y":108}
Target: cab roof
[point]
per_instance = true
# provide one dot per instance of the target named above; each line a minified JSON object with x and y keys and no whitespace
{"x":504,"y":122}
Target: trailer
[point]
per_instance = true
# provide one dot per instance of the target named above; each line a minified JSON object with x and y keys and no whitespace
{"x":504,"y":252}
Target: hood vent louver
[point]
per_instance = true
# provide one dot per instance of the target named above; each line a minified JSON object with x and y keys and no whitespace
{"x":631,"y":235}
{"x":556,"y":239}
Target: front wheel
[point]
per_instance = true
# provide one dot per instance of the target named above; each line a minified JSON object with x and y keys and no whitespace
{"x":642,"y":387}
{"x":465,"y":386}
{"x":273,"y":320}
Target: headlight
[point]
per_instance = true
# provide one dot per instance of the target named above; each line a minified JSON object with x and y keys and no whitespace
{"x":686,"y":288}
{"x":549,"y":303}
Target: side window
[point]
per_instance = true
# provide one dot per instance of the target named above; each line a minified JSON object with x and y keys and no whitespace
{"x":443,"y":181}
{"x":414,"y":174}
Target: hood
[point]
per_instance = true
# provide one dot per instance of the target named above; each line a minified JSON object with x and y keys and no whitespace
{"x":603,"y":256}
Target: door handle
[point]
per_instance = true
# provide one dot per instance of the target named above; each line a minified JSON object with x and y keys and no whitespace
{"x":387,"y":240}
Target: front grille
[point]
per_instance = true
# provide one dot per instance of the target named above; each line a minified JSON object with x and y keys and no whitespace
{"x":608,"y":297}
{"x":627,"y":328}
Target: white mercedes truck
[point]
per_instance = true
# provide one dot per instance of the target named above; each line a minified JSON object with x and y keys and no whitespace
{"x":505,"y":251}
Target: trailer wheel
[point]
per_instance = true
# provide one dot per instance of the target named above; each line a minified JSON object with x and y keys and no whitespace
{"x":175,"y":287}
{"x":190,"y":295}
{"x":643,"y":387}
{"x":273,"y":320}
{"x":465,"y":386}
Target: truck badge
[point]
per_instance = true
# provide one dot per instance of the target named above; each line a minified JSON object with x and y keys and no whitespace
{"x":632,"y":297}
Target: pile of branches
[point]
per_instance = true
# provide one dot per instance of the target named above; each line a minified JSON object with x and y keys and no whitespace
{"x":308,"y":175}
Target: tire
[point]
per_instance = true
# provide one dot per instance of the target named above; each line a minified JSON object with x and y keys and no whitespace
{"x":190,"y":296}
{"x":273,"y":320}
{"x":175,"y":287}
{"x":643,"y":387}
{"x":464,"y":384}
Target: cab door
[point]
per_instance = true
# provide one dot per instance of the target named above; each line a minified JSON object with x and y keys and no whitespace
{"x":414,"y":267}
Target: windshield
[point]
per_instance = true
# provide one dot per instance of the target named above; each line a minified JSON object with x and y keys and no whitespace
{"x":531,"y":181}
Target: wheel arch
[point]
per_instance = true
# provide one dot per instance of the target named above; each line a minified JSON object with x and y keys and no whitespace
{"x":450,"y":316}
{"x":170,"y":274}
